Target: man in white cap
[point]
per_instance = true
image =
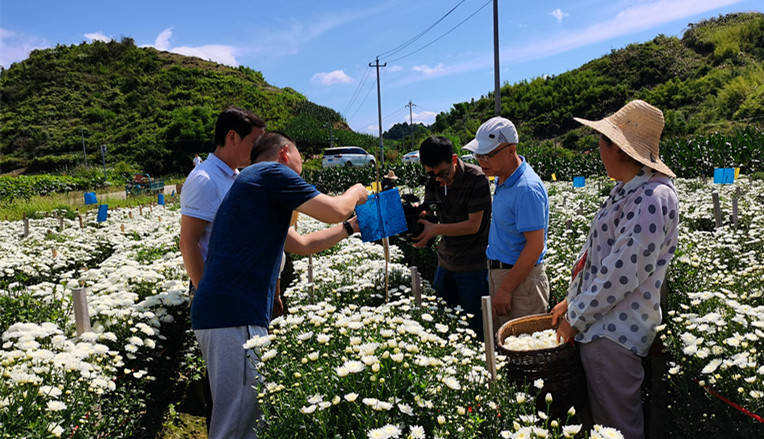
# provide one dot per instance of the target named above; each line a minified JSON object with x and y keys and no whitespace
{"x":613,"y":304}
{"x":517,"y":238}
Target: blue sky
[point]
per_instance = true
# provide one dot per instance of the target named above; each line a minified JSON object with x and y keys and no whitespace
{"x":323,"y":49}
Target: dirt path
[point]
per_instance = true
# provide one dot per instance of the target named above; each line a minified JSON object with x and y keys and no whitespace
{"x":168,"y":189}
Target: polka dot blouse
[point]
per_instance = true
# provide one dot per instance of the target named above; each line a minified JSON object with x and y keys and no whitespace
{"x":627,"y":253}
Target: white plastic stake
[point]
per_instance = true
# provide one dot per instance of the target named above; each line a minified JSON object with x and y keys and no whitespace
{"x":717,"y":209}
{"x":81,"y":315}
{"x":490,"y":359}
{"x":416,"y":286}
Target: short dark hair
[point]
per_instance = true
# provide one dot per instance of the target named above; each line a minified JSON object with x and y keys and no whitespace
{"x":238,"y":119}
{"x":268,"y":145}
{"x":435,"y":150}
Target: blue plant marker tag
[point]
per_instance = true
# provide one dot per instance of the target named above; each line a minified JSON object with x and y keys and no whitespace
{"x":724,"y":175}
{"x":579,"y":181}
{"x":381,"y":216}
{"x":103,"y":211}
{"x":90,"y":198}
{"x":160,"y":199}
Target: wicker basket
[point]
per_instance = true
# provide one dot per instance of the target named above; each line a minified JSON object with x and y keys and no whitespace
{"x":560,"y":367}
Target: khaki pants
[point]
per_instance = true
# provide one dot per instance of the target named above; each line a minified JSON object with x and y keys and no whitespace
{"x":530,"y":297}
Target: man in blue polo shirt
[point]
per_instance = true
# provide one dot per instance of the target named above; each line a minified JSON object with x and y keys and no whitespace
{"x":517,"y":238}
{"x":235,"y":296}
{"x":236,"y":131}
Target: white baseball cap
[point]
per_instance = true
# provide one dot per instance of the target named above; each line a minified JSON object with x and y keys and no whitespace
{"x":494,"y":132}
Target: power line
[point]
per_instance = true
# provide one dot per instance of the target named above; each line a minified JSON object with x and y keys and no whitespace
{"x":371,"y":87}
{"x":395,"y":50}
{"x":394,"y":113}
{"x":443,"y":35}
{"x":357,"y":91}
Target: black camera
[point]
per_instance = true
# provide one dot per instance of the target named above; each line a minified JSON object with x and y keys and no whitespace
{"x":412,"y":210}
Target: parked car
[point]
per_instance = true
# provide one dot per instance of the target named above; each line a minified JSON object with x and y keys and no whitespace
{"x":143,"y":184}
{"x":469,"y":158}
{"x":410,"y":157}
{"x":346,"y":156}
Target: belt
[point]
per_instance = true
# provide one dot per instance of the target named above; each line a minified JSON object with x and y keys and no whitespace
{"x":495,"y":265}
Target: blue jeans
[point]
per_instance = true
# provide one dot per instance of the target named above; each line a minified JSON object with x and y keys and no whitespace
{"x":463,"y":289}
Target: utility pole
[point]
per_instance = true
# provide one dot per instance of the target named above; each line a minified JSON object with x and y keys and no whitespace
{"x":496,"y":81}
{"x":103,"y":155}
{"x":379,"y":111}
{"x":331,"y":134}
{"x":411,"y":123}
{"x":84,"y":151}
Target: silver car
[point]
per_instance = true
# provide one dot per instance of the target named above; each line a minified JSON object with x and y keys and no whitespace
{"x":410,"y":157}
{"x":346,"y":156}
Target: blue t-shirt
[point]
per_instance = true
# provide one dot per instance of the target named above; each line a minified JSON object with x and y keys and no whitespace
{"x":520,"y":204}
{"x":246,"y":245}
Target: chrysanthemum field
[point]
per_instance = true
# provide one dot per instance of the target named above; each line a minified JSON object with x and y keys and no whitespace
{"x":344,"y":362}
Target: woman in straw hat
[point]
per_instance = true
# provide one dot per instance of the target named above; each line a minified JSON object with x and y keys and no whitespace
{"x":613,"y":302}
{"x":388,"y":182}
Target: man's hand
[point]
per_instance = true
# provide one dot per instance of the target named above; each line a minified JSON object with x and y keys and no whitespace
{"x":428,"y":232}
{"x":354,"y":224}
{"x":359,"y":190}
{"x":501,"y":302}
{"x":278,"y":305}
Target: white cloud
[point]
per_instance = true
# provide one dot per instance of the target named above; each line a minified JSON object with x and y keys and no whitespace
{"x":97,"y":36}
{"x":15,"y":47}
{"x":427,"y":70}
{"x":211,"y":52}
{"x":162,"y":41}
{"x":395,"y":68}
{"x":558,"y":14}
{"x":425,"y":117}
{"x":331,"y":78}
{"x":218,"y":53}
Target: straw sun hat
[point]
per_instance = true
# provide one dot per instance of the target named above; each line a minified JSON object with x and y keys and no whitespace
{"x":636,"y":129}
{"x":391,"y":176}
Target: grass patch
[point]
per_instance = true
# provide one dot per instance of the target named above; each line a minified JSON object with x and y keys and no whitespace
{"x":68,"y":204}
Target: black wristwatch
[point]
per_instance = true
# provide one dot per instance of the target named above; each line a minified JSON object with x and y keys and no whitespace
{"x":348,"y":227}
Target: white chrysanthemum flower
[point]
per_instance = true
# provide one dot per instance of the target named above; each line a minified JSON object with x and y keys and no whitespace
{"x":406,"y":409}
{"x":570,"y":431}
{"x":55,"y":406}
{"x":55,"y":429}
{"x":416,"y":432}
{"x":452,"y":383}
{"x":308,"y":410}
{"x":269,"y":355}
{"x":257,"y":341}
{"x":351,"y":397}
{"x":305,"y":336}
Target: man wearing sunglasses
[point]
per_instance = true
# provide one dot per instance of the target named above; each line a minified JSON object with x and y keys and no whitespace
{"x":517,"y":236}
{"x":465,"y":214}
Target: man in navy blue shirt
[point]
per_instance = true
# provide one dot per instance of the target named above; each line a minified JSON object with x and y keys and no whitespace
{"x":235,"y":295}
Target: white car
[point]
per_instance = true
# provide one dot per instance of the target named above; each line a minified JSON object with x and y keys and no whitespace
{"x":346,"y":156}
{"x":410,"y":157}
{"x":469,"y":158}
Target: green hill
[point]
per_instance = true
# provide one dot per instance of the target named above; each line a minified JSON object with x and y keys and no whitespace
{"x":151,"y":109}
{"x":154,"y":109}
{"x":712,"y":79}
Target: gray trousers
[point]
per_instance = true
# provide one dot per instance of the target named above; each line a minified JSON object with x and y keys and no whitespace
{"x":614,"y":378}
{"x":232,"y":375}
{"x":530,"y":297}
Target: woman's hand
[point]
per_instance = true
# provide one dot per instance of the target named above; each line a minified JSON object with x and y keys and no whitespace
{"x":565,"y":332}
